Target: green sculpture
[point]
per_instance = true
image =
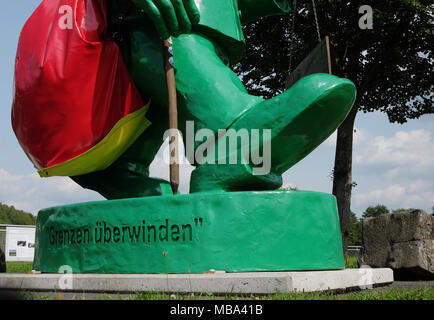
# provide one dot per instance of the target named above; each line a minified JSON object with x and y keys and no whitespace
{"x":209,"y":37}
{"x":234,"y":220}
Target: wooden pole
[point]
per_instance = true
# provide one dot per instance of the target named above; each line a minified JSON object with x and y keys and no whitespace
{"x":329,"y":56}
{"x":173,"y":115}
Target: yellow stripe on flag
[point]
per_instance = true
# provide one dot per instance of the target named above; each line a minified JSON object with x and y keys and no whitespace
{"x":107,"y":151}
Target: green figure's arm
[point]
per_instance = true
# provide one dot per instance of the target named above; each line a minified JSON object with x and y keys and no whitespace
{"x":255,"y":9}
{"x":170,"y":17}
{"x":219,"y":20}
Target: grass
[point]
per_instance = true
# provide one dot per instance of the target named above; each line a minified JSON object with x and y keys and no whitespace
{"x":20,"y":267}
{"x":422,"y":293}
{"x":351,"y":263}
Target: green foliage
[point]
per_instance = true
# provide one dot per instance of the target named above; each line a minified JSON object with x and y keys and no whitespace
{"x":375,"y":211}
{"x":391,"y":65}
{"x":402,"y":209}
{"x":355,"y":238}
{"x":10,"y":215}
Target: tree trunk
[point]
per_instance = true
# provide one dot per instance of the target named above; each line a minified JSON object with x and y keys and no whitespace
{"x":342,"y":174}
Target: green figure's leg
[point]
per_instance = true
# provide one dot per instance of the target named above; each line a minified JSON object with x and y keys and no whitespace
{"x":209,"y":94}
{"x":129,"y":177}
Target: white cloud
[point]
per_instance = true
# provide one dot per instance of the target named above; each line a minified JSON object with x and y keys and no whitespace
{"x":390,"y":194}
{"x":32,"y":193}
{"x":392,"y":173}
{"x":397,"y":171}
{"x":415,"y":195}
{"x":414,"y":148}
{"x":360,"y":136}
{"x":421,"y":186}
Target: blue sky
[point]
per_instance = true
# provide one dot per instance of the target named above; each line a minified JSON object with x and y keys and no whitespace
{"x":393,"y":164}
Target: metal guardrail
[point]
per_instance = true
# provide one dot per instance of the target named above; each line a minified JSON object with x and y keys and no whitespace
{"x":354,"y":251}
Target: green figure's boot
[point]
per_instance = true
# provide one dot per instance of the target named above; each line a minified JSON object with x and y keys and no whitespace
{"x":300,"y":119}
{"x":211,"y":95}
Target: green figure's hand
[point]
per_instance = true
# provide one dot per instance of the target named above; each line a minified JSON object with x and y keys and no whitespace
{"x":171,"y":17}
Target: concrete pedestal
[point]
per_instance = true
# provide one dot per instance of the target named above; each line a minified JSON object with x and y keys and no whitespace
{"x":217,"y":283}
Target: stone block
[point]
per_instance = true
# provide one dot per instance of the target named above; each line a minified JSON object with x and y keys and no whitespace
{"x":402,"y":241}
